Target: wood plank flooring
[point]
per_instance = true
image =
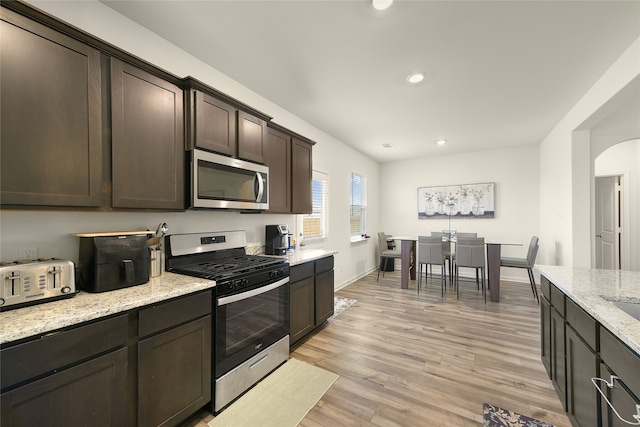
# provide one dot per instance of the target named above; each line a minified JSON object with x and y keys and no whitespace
{"x":409,"y":359}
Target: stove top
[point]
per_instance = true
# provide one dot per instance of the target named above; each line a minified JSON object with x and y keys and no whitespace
{"x":235,"y":266}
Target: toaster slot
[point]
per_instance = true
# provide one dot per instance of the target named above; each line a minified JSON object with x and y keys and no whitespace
{"x":12,"y":284}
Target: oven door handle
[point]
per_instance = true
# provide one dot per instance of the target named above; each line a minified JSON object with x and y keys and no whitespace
{"x":252,"y":293}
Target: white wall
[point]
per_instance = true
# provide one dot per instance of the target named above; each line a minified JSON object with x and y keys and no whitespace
{"x":566,"y":170}
{"x":514,"y":172}
{"x":624,"y":159}
{"x":51,"y":232}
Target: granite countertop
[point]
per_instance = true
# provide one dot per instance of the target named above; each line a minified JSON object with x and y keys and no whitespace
{"x":595,"y":291}
{"x":42,"y":318}
{"x":300,"y":256}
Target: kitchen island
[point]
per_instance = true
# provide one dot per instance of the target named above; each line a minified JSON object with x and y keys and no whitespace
{"x":590,"y":342}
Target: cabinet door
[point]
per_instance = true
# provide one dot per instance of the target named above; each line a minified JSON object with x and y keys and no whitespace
{"x":302,"y":317}
{"x":558,"y":367}
{"x":582,"y":365}
{"x":90,"y":394}
{"x":147,"y":140}
{"x":545,"y":334}
{"x":277,"y":155}
{"x":51,"y":133}
{"x":252,"y":133}
{"x":301,"y":175}
{"x":324,"y":296}
{"x":215,"y":124}
{"x":174,"y":373}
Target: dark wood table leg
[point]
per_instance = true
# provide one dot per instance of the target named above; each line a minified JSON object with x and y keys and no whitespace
{"x":413,"y":260}
{"x":405,"y":254}
{"x":493,"y":270}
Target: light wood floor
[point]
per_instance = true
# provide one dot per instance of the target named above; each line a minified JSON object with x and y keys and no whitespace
{"x":422,"y":360}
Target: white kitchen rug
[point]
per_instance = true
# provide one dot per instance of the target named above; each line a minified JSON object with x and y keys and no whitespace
{"x":341,"y":304}
{"x":282,"y":399}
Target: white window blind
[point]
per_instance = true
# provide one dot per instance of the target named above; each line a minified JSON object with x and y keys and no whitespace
{"x":358,"y":205}
{"x":314,"y":226}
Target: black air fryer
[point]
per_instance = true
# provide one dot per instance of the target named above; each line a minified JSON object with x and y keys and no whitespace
{"x":107,"y":263}
{"x":276,"y":239}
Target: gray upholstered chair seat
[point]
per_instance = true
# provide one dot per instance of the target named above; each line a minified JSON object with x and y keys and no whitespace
{"x":527,"y":263}
{"x":385,"y":253}
{"x":514,"y":262}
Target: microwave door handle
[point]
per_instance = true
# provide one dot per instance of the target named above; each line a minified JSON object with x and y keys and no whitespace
{"x":260,"y":181}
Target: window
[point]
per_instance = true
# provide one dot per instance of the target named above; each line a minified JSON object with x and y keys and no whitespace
{"x":358,"y":215}
{"x":314,"y":226}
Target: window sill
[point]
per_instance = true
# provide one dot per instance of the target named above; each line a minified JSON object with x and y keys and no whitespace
{"x":358,"y":239}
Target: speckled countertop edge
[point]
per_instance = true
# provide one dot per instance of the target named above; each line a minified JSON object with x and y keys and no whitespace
{"x":300,"y":256}
{"x":595,"y":290}
{"x":50,"y":316}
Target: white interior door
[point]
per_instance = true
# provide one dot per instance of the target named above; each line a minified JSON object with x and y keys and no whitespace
{"x":606,"y":206}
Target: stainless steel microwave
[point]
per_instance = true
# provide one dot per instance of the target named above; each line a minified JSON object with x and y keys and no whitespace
{"x":225,"y":183}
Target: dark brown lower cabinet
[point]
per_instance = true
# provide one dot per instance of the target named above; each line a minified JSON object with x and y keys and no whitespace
{"x":174,"y":374}
{"x":558,"y":362}
{"x":545,"y":333}
{"x":174,"y":360}
{"x":311,"y":294}
{"x":582,"y":365}
{"x":76,"y":377}
{"x":92,"y":393}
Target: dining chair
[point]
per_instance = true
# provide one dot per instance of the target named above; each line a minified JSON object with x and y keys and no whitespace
{"x":430,"y":253}
{"x":446,"y":251}
{"x":385,"y":253}
{"x":470,"y":254}
{"x":527,"y":263}
{"x":464,"y":235}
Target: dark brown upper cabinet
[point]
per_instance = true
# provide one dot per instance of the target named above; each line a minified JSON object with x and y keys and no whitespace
{"x":219,"y":123}
{"x":289,"y":157}
{"x":214,"y":124}
{"x":51,"y":133}
{"x":147,"y":140}
{"x":277,"y":155}
{"x":301,"y":170}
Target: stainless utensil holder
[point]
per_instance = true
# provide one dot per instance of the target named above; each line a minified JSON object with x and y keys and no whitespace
{"x":155,"y":262}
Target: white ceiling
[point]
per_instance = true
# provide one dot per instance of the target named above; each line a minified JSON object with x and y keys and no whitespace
{"x":500,"y":73}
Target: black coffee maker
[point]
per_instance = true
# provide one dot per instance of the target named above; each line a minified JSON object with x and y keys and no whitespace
{"x":276,"y":237}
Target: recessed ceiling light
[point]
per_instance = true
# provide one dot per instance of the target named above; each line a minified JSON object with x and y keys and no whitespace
{"x":381,"y":4}
{"x":415,"y":77}
{"x":441,"y":141}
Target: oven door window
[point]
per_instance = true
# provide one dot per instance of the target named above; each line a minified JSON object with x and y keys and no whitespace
{"x":246,"y":326}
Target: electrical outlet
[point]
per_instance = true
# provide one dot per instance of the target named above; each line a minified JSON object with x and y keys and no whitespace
{"x":27,"y":253}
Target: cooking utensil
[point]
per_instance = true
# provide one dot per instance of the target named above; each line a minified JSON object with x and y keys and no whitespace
{"x":160,"y":232}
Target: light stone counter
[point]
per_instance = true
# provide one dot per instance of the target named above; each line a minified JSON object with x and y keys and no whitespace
{"x":300,"y":256}
{"x":594,"y":290}
{"x":42,"y":318}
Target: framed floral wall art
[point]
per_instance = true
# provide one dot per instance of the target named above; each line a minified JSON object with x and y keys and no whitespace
{"x":457,"y":201}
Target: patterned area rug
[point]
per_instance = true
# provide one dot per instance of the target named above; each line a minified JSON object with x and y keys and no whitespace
{"x":341,"y":304}
{"x":494,"y":416}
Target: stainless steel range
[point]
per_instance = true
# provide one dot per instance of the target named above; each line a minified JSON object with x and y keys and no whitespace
{"x":251,"y":320}
{"x":28,"y":282}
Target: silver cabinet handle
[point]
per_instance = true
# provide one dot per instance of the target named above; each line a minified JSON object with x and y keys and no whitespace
{"x":611,"y":384}
{"x":599,"y":235}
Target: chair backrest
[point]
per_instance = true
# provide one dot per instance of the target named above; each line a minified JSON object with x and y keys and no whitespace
{"x":533,"y":251}
{"x":466,"y":235}
{"x":470,"y":252}
{"x":430,"y":250}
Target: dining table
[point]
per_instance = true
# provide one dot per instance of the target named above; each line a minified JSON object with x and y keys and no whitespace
{"x":494,"y":250}
{"x":407,"y":258}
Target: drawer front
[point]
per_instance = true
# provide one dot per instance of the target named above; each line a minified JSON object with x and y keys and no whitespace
{"x":172,"y":313}
{"x":324,"y":264}
{"x":583,"y":324}
{"x":545,"y":287}
{"x":621,"y":359}
{"x":558,"y":299}
{"x":61,"y":349}
{"x":301,"y":271}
